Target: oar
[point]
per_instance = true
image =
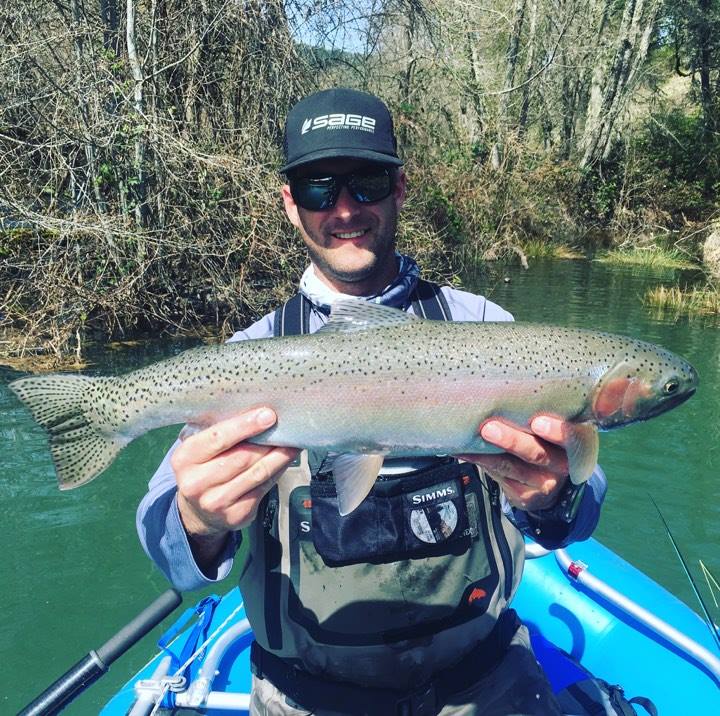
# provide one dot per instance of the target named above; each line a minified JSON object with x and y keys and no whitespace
{"x":91,"y":667}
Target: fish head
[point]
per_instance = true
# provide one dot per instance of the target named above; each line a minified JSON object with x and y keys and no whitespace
{"x":644,"y":382}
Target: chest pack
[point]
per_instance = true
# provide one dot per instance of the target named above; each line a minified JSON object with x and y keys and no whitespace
{"x":397,"y":589}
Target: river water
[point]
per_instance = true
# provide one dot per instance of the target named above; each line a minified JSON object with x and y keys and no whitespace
{"x":73,"y":573}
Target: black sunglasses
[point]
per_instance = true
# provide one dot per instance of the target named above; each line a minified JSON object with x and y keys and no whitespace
{"x":318,"y":193}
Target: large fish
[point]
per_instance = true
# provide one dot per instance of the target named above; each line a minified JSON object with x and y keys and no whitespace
{"x":373,"y":382}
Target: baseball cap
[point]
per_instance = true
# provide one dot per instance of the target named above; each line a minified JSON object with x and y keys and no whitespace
{"x":339,"y":123}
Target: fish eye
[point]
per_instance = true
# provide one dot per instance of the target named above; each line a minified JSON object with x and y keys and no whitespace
{"x":671,"y":386}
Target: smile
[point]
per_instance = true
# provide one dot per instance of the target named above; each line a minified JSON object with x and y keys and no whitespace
{"x":350,"y":234}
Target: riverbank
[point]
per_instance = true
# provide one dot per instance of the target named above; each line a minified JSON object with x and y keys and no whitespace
{"x":83,"y":278}
{"x":41,"y":349}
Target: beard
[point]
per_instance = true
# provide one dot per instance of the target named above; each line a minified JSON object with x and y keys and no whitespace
{"x":347,"y":262}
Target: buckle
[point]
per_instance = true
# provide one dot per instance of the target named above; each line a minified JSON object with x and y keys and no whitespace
{"x":422,"y":702}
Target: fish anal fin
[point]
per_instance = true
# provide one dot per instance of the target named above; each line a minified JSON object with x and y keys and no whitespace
{"x":582,"y":452}
{"x":354,"y":477}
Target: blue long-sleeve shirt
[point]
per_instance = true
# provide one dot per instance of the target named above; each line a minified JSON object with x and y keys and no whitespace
{"x":158,"y":521}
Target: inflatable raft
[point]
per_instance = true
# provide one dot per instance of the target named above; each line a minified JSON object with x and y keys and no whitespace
{"x":587,"y":609}
{"x":584,"y":606}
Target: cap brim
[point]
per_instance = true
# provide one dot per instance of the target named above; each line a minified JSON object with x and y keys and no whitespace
{"x":365,"y":154}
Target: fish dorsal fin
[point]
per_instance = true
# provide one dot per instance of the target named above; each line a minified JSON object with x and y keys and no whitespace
{"x":351,"y":315}
{"x":354,"y":477}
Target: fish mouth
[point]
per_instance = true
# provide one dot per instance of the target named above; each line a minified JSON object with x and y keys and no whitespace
{"x":669,"y":403}
{"x":658,"y":409}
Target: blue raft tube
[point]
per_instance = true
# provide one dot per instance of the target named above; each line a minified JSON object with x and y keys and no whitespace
{"x":587,"y":609}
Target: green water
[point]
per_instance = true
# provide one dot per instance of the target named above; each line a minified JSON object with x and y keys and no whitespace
{"x":72,"y":570}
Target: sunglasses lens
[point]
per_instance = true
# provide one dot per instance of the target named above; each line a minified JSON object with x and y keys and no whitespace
{"x":319,"y":193}
{"x":314,"y":193}
{"x":370,"y":186}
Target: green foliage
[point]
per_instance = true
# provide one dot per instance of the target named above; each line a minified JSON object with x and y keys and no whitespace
{"x":680,"y":163}
{"x":648,"y":257}
{"x":442,"y":214}
{"x":688,"y":301}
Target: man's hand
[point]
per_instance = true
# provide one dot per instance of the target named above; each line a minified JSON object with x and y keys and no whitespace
{"x":221,"y":479}
{"x":534,"y":468}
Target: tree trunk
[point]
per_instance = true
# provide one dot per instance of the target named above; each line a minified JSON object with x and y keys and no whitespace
{"x":139,"y":188}
{"x":704,"y":40}
{"x":529,"y":67}
{"x":406,"y":77}
{"x":473,"y":116}
{"x":496,"y":155}
{"x":636,"y":28}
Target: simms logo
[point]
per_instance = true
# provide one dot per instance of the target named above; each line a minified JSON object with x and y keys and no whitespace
{"x":339,"y":121}
{"x":434,"y":495}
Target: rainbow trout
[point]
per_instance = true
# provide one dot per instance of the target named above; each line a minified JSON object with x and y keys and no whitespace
{"x":373,"y":382}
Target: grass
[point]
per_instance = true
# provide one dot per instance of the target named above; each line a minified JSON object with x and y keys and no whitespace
{"x":650,"y":257}
{"x":539,"y":249}
{"x":696,"y":301}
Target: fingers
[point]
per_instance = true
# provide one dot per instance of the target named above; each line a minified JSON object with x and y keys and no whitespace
{"x":512,"y":468}
{"x":252,"y":482}
{"x":527,"y":496}
{"x":554,"y":430}
{"x":221,"y":478}
{"x":218,"y":438}
{"x":534,"y":467}
{"x":211,"y":507}
{"x":534,"y":449}
{"x":199,"y":476}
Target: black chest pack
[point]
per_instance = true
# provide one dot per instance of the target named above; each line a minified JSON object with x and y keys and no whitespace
{"x":424,"y":513}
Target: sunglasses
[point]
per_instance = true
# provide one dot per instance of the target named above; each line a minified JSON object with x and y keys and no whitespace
{"x":366,"y":186}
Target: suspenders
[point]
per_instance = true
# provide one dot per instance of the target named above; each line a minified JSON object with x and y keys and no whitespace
{"x":427,"y":300}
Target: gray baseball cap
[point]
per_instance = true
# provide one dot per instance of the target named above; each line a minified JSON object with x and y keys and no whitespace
{"x":339,"y":123}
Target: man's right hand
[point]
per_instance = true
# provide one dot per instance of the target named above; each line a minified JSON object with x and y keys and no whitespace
{"x":221,"y":478}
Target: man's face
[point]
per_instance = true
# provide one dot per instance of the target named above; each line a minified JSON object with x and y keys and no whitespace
{"x":352,"y":245}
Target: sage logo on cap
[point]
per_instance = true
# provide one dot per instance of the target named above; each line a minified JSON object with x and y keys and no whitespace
{"x":339,"y":121}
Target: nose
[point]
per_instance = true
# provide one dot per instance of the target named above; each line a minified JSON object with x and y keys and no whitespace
{"x":345,"y":206}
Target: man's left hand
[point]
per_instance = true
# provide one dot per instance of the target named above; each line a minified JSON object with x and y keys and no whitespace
{"x":534,"y":468}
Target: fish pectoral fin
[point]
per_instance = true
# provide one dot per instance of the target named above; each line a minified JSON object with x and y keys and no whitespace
{"x":582,"y":452}
{"x":354,"y":477}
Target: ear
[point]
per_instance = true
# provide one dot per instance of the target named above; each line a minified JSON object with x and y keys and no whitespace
{"x":400,"y":189}
{"x":291,"y":208}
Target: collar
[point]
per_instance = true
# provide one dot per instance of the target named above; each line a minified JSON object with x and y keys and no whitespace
{"x":397,"y":294}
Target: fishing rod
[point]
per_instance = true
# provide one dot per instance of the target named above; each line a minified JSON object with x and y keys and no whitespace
{"x":708,"y":618}
{"x":92,"y":666}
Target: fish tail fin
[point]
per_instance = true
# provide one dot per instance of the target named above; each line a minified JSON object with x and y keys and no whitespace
{"x":79,"y":448}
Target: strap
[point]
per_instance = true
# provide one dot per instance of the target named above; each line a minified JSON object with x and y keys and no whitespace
{"x":648,"y":705}
{"x":293,"y":317}
{"x":273,"y":576}
{"x":428,"y":301}
{"x":204,"y":611}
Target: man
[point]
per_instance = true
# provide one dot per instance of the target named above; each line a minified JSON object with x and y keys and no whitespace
{"x":404,"y":614}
